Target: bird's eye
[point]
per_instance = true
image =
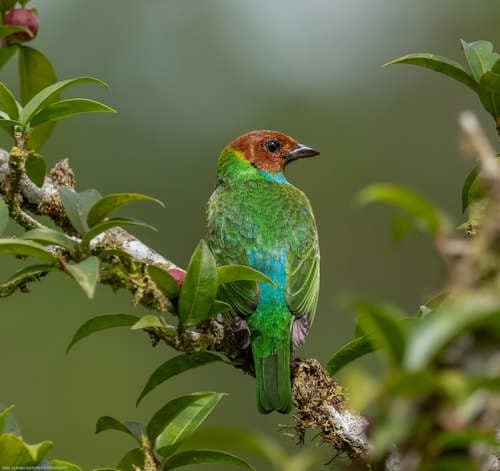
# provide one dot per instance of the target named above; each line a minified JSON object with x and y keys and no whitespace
{"x":273,"y":146}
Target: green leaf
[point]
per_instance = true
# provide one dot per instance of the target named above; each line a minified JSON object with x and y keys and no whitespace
{"x":77,"y":206}
{"x":133,"y":457}
{"x":4,"y":216}
{"x":8,"y":103}
{"x":109,"y":224}
{"x":231,"y":273}
{"x":480,"y":56}
{"x":48,"y":93}
{"x":439,"y":64}
{"x":164,"y":281}
{"x":198,"y":291}
{"x":351,"y":351}
{"x":109,"y":203}
{"x":434,"y":332}
{"x":6,"y":5}
{"x":7,"y":123}
{"x":35,"y":73}
{"x":220,"y":307}
{"x":184,"y":422}
{"x":27,"y":248}
{"x":4,"y":414}
{"x":175,"y":366}
{"x":7,"y":30}
{"x":35,"y":169}
{"x":67,"y":108}
{"x":64,"y":465}
{"x":85,"y":274}
{"x":462,"y":439}
{"x":489,"y":91}
{"x":402,"y":226}
{"x":32,"y":270}
{"x":96,"y":324}
{"x":204,"y":456}
{"x":15,"y":452}
{"x":134,"y":429}
{"x":468,"y":189}
{"x":383,"y":326}
{"x":6,"y":54}
{"x":147,"y":321}
{"x":50,"y":236}
{"x":427,"y":217}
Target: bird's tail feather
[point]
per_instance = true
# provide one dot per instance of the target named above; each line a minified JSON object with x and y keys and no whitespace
{"x":272,"y":374}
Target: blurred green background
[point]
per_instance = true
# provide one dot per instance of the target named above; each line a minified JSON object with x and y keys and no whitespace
{"x":188,"y":77}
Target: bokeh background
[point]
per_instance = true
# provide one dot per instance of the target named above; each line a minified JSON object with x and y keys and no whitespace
{"x":187,"y":78}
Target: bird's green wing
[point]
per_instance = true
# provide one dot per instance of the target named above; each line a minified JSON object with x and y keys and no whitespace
{"x":227,"y":233}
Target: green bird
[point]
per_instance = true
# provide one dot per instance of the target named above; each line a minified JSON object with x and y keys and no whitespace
{"x":256,"y":217}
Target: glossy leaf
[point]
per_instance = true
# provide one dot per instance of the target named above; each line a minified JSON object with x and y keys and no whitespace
{"x":175,"y":366}
{"x":7,"y":30}
{"x":77,"y":206}
{"x":480,"y":56}
{"x":109,"y":224}
{"x":109,"y":203}
{"x":64,"y":465}
{"x":427,"y":217}
{"x":85,"y":274}
{"x":383,"y":327}
{"x":231,"y":273}
{"x":184,"y":422}
{"x":27,"y":248}
{"x":221,"y":307}
{"x":439,"y":64}
{"x":67,"y":108}
{"x":164,"y":281}
{"x":198,"y":291}
{"x":35,"y":73}
{"x":133,"y":457}
{"x":96,"y":324}
{"x":50,"y":92}
{"x":6,"y":54}
{"x":489,"y":91}
{"x":8,"y":103}
{"x":351,"y":351}
{"x":32,"y":270}
{"x":433,"y":332}
{"x":15,"y":452}
{"x":35,"y":169}
{"x":186,"y":458}
{"x":4,"y":216}
{"x":50,"y":236}
{"x":134,"y":429}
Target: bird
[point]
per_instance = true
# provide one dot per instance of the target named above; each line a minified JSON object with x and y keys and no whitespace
{"x":256,"y":217}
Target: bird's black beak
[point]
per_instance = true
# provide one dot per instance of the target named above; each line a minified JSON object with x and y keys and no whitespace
{"x":302,"y":151}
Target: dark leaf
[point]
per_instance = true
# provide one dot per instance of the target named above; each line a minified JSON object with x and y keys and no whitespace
{"x":48,"y":236}
{"x":204,"y":456}
{"x":427,"y":217}
{"x":67,"y":108}
{"x":467,"y":189}
{"x":27,"y":248}
{"x":220,"y":307}
{"x":184,"y":422}
{"x":231,"y":273}
{"x":96,"y":324}
{"x":8,"y":103}
{"x":439,"y":64}
{"x":198,"y":291}
{"x":446,"y":322}
{"x":134,"y":429}
{"x":463,"y":439}
{"x":109,"y":203}
{"x":6,"y":54}
{"x":164,"y":281}
{"x":7,"y":30}
{"x":4,"y":216}
{"x":175,"y":366}
{"x":85,"y":274}
{"x":77,"y":206}
{"x":480,"y":56}
{"x":35,"y":169}
{"x":489,"y":91}
{"x":351,"y":351}
{"x":133,"y":457}
{"x":109,"y":224}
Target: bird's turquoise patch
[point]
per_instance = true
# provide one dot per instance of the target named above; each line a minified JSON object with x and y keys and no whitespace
{"x":275,"y":177}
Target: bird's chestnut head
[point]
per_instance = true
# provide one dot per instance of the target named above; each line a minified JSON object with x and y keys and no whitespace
{"x":270,"y":151}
